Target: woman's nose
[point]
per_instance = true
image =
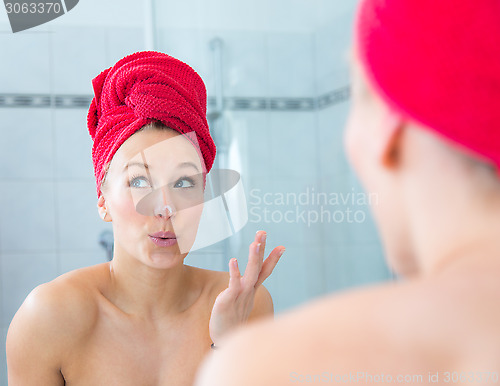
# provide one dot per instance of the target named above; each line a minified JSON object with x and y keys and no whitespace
{"x":163,"y":207}
{"x":163,"y":211}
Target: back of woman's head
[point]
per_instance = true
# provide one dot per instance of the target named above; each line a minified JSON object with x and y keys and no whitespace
{"x":437,"y":63}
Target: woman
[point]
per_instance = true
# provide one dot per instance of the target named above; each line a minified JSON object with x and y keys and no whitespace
{"x":424,"y":133}
{"x":144,"y":318}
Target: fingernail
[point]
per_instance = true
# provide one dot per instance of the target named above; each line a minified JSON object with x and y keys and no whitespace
{"x":263,"y":237}
{"x":282,"y":251}
{"x":257,"y":248}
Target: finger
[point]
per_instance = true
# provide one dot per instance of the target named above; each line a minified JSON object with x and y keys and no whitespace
{"x":262,"y":240}
{"x":269,"y":264}
{"x":234,"y":286}
{"x":260,"y":237}
{"x":253,"y":266}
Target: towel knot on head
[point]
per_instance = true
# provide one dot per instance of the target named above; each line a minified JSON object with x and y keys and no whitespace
{"x":139,"y":89}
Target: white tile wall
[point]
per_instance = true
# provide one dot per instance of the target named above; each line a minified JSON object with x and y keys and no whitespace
{"x":316,"y":275}
{"x":294,"y":139}
{"x":245,"y":61}
{"x":331,"y":122}
{"x":73,"y":145}
{"x":27,"y":67}
{"x":329,"y":11}
{"x":282,"y":15}
{"x":183,"y":44}
{"x":110,"y":14}
{"x":333,"y":80}
{"x":333,"y":42}
{"x":192,"y":47}
{"x":3,"y":361}
{"x":68,"y":261}
{"x":332,"y":46}
{"x":28,"y":217}
{"x":206,"y":260}
{"x":355,"y":264}
{"x":182,"y":14}
{"x":244,"y":15}
{"x":123,"y":41}
{"x":78,"y":55}
{"x":338,"y":274}
{"x":26,"y":149}
{"x":289,"y":283}
{"x":291,"y":66}
{"x":79,"y":222}
{"x":289,"y":15}
{"x":252,"y":131}
{"x":21,"y":272}
{"x":4,"y":21}
{"x":204,"y":62}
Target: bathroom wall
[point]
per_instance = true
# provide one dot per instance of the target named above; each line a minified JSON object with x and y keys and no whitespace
{"x":285,"y":80}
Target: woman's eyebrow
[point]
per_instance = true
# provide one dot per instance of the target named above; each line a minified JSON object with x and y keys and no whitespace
{"x":186,"y":164}
{"x":141,"y":164}
{"x":146,"y":166}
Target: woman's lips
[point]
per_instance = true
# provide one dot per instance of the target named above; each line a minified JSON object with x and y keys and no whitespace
{"x":163,"y":239}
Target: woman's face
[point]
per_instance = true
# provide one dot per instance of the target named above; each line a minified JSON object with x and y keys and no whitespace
{"x":154,"y":196}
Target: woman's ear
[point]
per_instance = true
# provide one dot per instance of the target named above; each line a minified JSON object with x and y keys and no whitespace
{"x":390,"y":140}
{"x":102,"y":209}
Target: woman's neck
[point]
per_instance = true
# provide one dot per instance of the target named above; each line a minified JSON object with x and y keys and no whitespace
{"x":149,"y":292}
{"x":458,"y":237}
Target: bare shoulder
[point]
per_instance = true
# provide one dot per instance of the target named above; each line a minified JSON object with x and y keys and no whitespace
{"x":51,"y":322}
{"x":56,"y":313}
{"x":398,"y":329}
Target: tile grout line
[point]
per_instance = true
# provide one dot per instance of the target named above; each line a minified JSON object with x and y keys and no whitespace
{"x":54,"y":154}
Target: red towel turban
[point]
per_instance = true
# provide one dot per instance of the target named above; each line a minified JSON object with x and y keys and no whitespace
{"x":438,"y":62}
{"x":141,"y":88}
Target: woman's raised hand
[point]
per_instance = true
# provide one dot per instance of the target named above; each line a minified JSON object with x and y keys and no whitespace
{"x":234,"y":305}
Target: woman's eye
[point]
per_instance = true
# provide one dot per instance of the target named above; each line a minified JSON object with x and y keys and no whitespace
{"x":139,"y":182}
{"x":184,"y":183}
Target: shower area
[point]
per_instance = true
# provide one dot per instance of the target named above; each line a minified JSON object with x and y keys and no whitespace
{"x":278,"y":95}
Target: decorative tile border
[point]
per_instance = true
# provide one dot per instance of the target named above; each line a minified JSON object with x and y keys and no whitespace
{"x":334,"y":97}
{"x":235,"y":103}
{"x":45,"y":101}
